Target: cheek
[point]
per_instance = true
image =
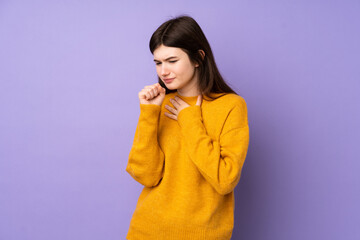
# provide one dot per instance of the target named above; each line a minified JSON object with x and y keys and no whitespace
{"x":180,"y":69}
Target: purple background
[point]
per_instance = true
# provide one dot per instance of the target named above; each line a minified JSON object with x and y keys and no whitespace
{"x":70,"y":75}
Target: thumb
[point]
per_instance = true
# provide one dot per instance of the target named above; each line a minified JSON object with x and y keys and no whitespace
{"x":199,"y":100}
{"x":162,"y":90}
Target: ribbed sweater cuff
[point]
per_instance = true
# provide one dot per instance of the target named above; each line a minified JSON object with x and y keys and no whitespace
{"x":150,"y":110}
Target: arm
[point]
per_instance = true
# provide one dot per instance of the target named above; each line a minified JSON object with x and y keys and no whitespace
{"x":220,"y":162}
{"x":146,"y":160}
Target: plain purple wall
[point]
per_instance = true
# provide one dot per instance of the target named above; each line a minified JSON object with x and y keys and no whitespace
{"x":70,"y":75}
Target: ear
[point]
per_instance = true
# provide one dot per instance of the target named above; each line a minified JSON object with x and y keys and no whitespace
{"x":202,"y":53}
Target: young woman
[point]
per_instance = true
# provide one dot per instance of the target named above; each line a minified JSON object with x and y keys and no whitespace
{"x":190,"y":143}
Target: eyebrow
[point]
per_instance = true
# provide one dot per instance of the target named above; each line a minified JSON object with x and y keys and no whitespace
{"x":165,"y":59}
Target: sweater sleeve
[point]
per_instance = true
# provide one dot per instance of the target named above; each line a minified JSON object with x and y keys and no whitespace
{"x":146,"y":159}
{"x":219,"y":161}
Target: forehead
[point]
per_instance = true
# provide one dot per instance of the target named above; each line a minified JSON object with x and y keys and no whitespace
{"x":163,"y":52}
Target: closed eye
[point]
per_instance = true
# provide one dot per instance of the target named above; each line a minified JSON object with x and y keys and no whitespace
{"x":169,"y":61}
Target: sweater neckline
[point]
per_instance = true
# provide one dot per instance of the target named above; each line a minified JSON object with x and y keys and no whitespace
{"x":189,"y":99}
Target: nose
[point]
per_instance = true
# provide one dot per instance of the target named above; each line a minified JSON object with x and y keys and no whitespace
{"x":164,"y":70}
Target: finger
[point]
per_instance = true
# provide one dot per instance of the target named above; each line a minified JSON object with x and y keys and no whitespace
{"x":159,"y":88}
{"x":178,"y":99}
{"x":169,"y":115}
{"x":149,"y":93}
{"x":143,"y":94}
{"x":146,"y":90}
{"x":162,"y":90}
{"x":170,"y":109}
{"x":153,"y":92}
{"x":154,"y":86}
{"x":174,"y":102}
{"x":156,"y":90}
{"x":148,"y":87}
{"x":199,"y":100}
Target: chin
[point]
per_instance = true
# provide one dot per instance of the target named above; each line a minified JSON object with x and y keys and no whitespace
{"x":171,"y":86}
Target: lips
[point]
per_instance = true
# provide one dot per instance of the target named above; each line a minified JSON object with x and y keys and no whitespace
{"x":169,"y":80}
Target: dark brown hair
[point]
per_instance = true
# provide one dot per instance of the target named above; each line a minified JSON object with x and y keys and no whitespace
{"x":185,"y":33}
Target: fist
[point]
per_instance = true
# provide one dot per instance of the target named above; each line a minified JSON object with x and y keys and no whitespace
{"x":153,"y":94}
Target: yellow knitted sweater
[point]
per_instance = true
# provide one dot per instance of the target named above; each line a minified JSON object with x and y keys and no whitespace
{"x":189,"y":168}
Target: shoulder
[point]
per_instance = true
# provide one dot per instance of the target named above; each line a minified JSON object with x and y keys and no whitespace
{"x":229,"y":101}
{"x":235,"y":111}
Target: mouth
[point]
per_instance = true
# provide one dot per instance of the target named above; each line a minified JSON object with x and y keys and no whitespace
{"x":168,"y":80}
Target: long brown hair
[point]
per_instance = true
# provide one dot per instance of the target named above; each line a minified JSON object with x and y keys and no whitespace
{"x":185,"y":33}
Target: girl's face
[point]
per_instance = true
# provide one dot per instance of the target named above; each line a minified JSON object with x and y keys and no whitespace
{"x":172,"y":62}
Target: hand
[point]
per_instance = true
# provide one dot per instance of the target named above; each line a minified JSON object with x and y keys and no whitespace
{"x":153,"y":94}
{"x":179,"y":105}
